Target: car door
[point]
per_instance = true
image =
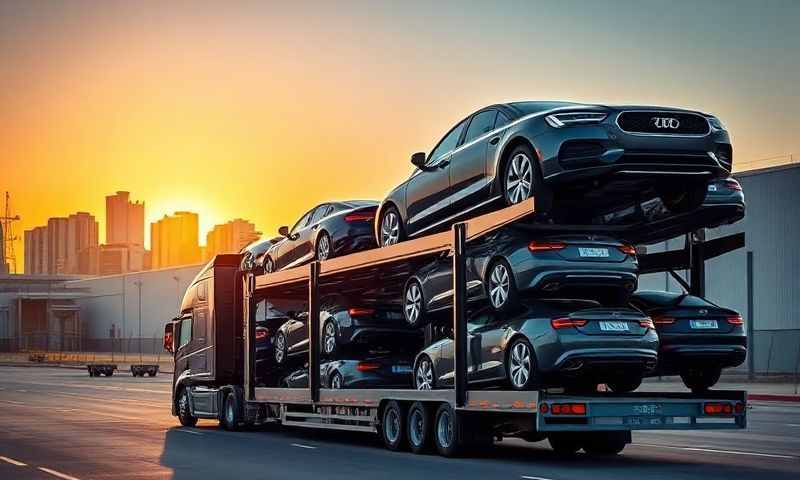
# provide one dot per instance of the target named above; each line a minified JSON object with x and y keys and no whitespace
{"x":297,"y":334}
{"x":440,"y":279}
{"x":447,"y":353}
{"x":427,"y":192}
{"x":488,"y":341}
{"x":308,"y":251}
{"x":289,"y":250}
{"x":469,"y":182}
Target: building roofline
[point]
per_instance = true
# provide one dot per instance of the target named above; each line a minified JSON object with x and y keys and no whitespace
{"x":759,"y":171}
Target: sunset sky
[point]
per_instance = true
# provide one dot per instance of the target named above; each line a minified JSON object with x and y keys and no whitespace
{"x":263,"y":109}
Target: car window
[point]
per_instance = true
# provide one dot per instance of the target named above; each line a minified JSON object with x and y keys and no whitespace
{"x":502,"y":120}
{"x":319,"y":213}
{"x":481,"y":124}
{"x":447,"y":143}
{"x":480,"y":320}
{"x":186,"y":332}
{"x":302,"y":222}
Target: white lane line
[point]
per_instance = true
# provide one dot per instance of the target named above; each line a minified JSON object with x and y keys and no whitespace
{"x":186,"y":431}
{"x":714,"y":450}
{"x":300,"y":445}
{"x":22,"y":391}
{"x":528,"y":477}
{"x":793,"y":424}
{"x":57,"y":473}
{"x":13,"y":462}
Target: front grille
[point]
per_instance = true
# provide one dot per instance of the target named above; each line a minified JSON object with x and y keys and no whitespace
{"x":663,"y":123}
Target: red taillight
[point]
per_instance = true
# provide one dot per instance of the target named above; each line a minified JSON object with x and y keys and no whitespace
{"x":627,"y":249}
{"x":647,"y":323}
{"x":735,"y":320}
{"x":367,"y":366}
{"x":739,"y":407}
{"x":718,"y":408}
{"x":733,"y":185}
{"x":567,"y":322}
{"x":565,"y":409}
{"x":361,"y":312}
{"x":544,"y":408}
{"x":261,"y":333}
{"x":664,"y":320}
{"x":535,"y":246}
{"x":359,"y":217}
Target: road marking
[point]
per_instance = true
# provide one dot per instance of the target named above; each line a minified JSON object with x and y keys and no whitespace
{"x":186,"y":431}
{"x":714,"y":450}
{"x":13,"y":462}
{"x":300,"y":445}
{"x":22,"y":391}
{"x":57,"y":474}
{"x":528,"y":477}
{"x":793,"y":424}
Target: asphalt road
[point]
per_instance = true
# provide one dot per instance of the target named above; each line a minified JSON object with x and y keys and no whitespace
{"x":59,"y":423}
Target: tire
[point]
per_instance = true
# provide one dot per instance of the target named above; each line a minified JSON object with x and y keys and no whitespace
{"x":682,"y":201}
{"x":231,"y":417}
{"x":419,"y":427}
{"x":446,"y":434}
{"x":184,"y":412}
{"x":280,"y":349}
{"x":521,"y":364}
{"x":564,"y":443}
{"x":501,"y":289}
{"x":390,"y":229}
{"x":522,"y":179}
{"x":605,"y":443}
{"x":324,"y":248}
{"x":328,"y":338}
{"x":335,"y":382}
{"x":110,"y":373}
{"x":269,"y":265}
{"x":424,"y":378}
{"x":151,"y":374}
{"x":699,"y":381}
{"x":624,"y":385}
{"x":414,"y":304}
{"x":393,"y":426}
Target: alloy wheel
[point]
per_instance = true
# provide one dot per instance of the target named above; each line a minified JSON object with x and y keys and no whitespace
{"x":280,"y":345}
{"x":519,"y":178}
{"x":520,"y":367}
{"x":336,"y":381}
{"x":390,"y":229}
{"x":424,"y":375}
{"x":413,"y":306}
{"x":323,"y":247}
{"x":330,"y":338}
{"x":499,"y":285}
{"x":269,"y":265}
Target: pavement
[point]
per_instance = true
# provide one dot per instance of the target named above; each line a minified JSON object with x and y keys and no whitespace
{"x":60,"y":423}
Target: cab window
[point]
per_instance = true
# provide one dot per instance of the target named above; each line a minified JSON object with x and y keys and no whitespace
{"x":481,"y":124}
{"x":447,"y":144}
{"x":186,"y":332}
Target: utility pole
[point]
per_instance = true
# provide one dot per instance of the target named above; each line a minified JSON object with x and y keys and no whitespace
{"x":8,"y":261}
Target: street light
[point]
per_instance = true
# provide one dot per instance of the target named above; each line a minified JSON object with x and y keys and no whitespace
{"x":138,"y":284}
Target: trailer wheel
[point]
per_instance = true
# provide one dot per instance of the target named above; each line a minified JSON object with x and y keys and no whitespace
{"x":606,"y":443}
{"x":184,"y":412}
{"x":564,"y":443}
{"x":393,"y":426}
{"x":419,"y":427}
{"x":446,"y":433}
{"x":109,"y":373}
{"x":231,"y":416}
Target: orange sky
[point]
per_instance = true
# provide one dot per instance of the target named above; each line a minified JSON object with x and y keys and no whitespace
{"x":264,"y":110}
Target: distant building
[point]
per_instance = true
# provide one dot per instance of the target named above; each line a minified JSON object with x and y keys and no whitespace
{"x":229,"y":237}
{"x":82,"y":234}
{"x":57,"y":245}
{"x":56,"y":249}
{"x":124,"y":220}
{"x":174,"y":240}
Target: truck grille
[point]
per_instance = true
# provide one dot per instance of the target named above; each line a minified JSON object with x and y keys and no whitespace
{"x":663,"y":123}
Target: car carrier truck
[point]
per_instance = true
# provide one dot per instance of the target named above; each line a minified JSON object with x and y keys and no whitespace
{"x":214,"y":343}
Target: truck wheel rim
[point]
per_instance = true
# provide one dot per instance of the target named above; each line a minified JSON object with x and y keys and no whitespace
{"x":330,"y":338}
{"x":519,"y":178}
{"x":391,"y":425}
{"x":424,"y":375}
{"x":279,"y":343}
{"x":417,"y":427}
{"x":229,"y":413}
{"x":499,"y":285}
{"x":390,"y":229}
{"x":444,"y":430}
{"x":324,"y":248}
{"x":520,"y":364}
{"x":413,"y":303}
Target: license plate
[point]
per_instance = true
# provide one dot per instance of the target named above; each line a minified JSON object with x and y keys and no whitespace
{"x":590,"y":252}
{"x":401,"y":369}
{"x":712,"y":188}
{"x":614,"y":326}
{"x":703,"y":324}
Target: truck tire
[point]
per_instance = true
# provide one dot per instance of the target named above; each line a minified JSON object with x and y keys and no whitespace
{"x":393,"y":426}
{"x":419,"y":427}
{"x":606,"y":443}
{"x":231,"y":413}
{"x":446,"y":431}
{"x":564,"y":443}
{"x":184,"y":412}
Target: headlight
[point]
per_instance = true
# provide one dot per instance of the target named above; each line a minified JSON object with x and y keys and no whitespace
{"x":715,"y":123}
{"x":558,"y":120}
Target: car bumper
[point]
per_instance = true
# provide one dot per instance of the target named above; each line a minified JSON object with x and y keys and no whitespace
{"x":673,"y":358}
{"x":603,"y":364}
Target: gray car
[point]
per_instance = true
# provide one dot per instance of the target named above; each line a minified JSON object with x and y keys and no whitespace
{"x":575,"y":344}
{"x":512,"y":262}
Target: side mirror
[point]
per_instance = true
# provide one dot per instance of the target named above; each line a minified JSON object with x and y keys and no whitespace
{"x":284,"y":231}
{"x":169,"y":338}
{"x":418,"y":159}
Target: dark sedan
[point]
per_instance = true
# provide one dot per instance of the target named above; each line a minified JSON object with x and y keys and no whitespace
{"x":326,"y":231}
{"x":698,"y":338}
{"x":268,"y":321}
{"x":548,"y":343}
{"x":583,"y":159}
{"x":390,"y":371}
{"x":511,"y":260}
{"x":342,"y":326}
{"x":253,"y":255}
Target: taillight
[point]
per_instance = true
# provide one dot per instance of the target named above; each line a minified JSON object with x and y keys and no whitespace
{"x":733,"y":185}
{"x":535,"y":246}
{"x":359,"y":217}
{"x":735,"y":320}
{"x":627,"y":249}
{"x":567,"y":322}
{"x":664,"y":320}
{"x":566,"y":408}
{"x":261,"y":333}
{"x":718,"y":408}
{"x":647,"y":323}
{"x":367,"y":366}
{"x":361,"y":312}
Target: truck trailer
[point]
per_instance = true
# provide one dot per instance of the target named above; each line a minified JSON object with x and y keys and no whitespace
{"x":214,"y":342}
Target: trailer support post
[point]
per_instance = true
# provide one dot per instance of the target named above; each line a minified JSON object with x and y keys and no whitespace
{"x":248,"y":279}
{"x":459,"y":312}
{"x":697,"y":264}
{"x":313,"y":331}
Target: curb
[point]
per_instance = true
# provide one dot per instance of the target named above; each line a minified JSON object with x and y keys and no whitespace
{"x":768,"y":397}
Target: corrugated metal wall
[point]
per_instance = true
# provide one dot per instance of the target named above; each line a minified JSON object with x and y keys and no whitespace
{"x":772,"y":231}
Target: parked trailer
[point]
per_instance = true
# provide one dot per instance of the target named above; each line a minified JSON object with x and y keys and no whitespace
{"x":600,"y":423}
